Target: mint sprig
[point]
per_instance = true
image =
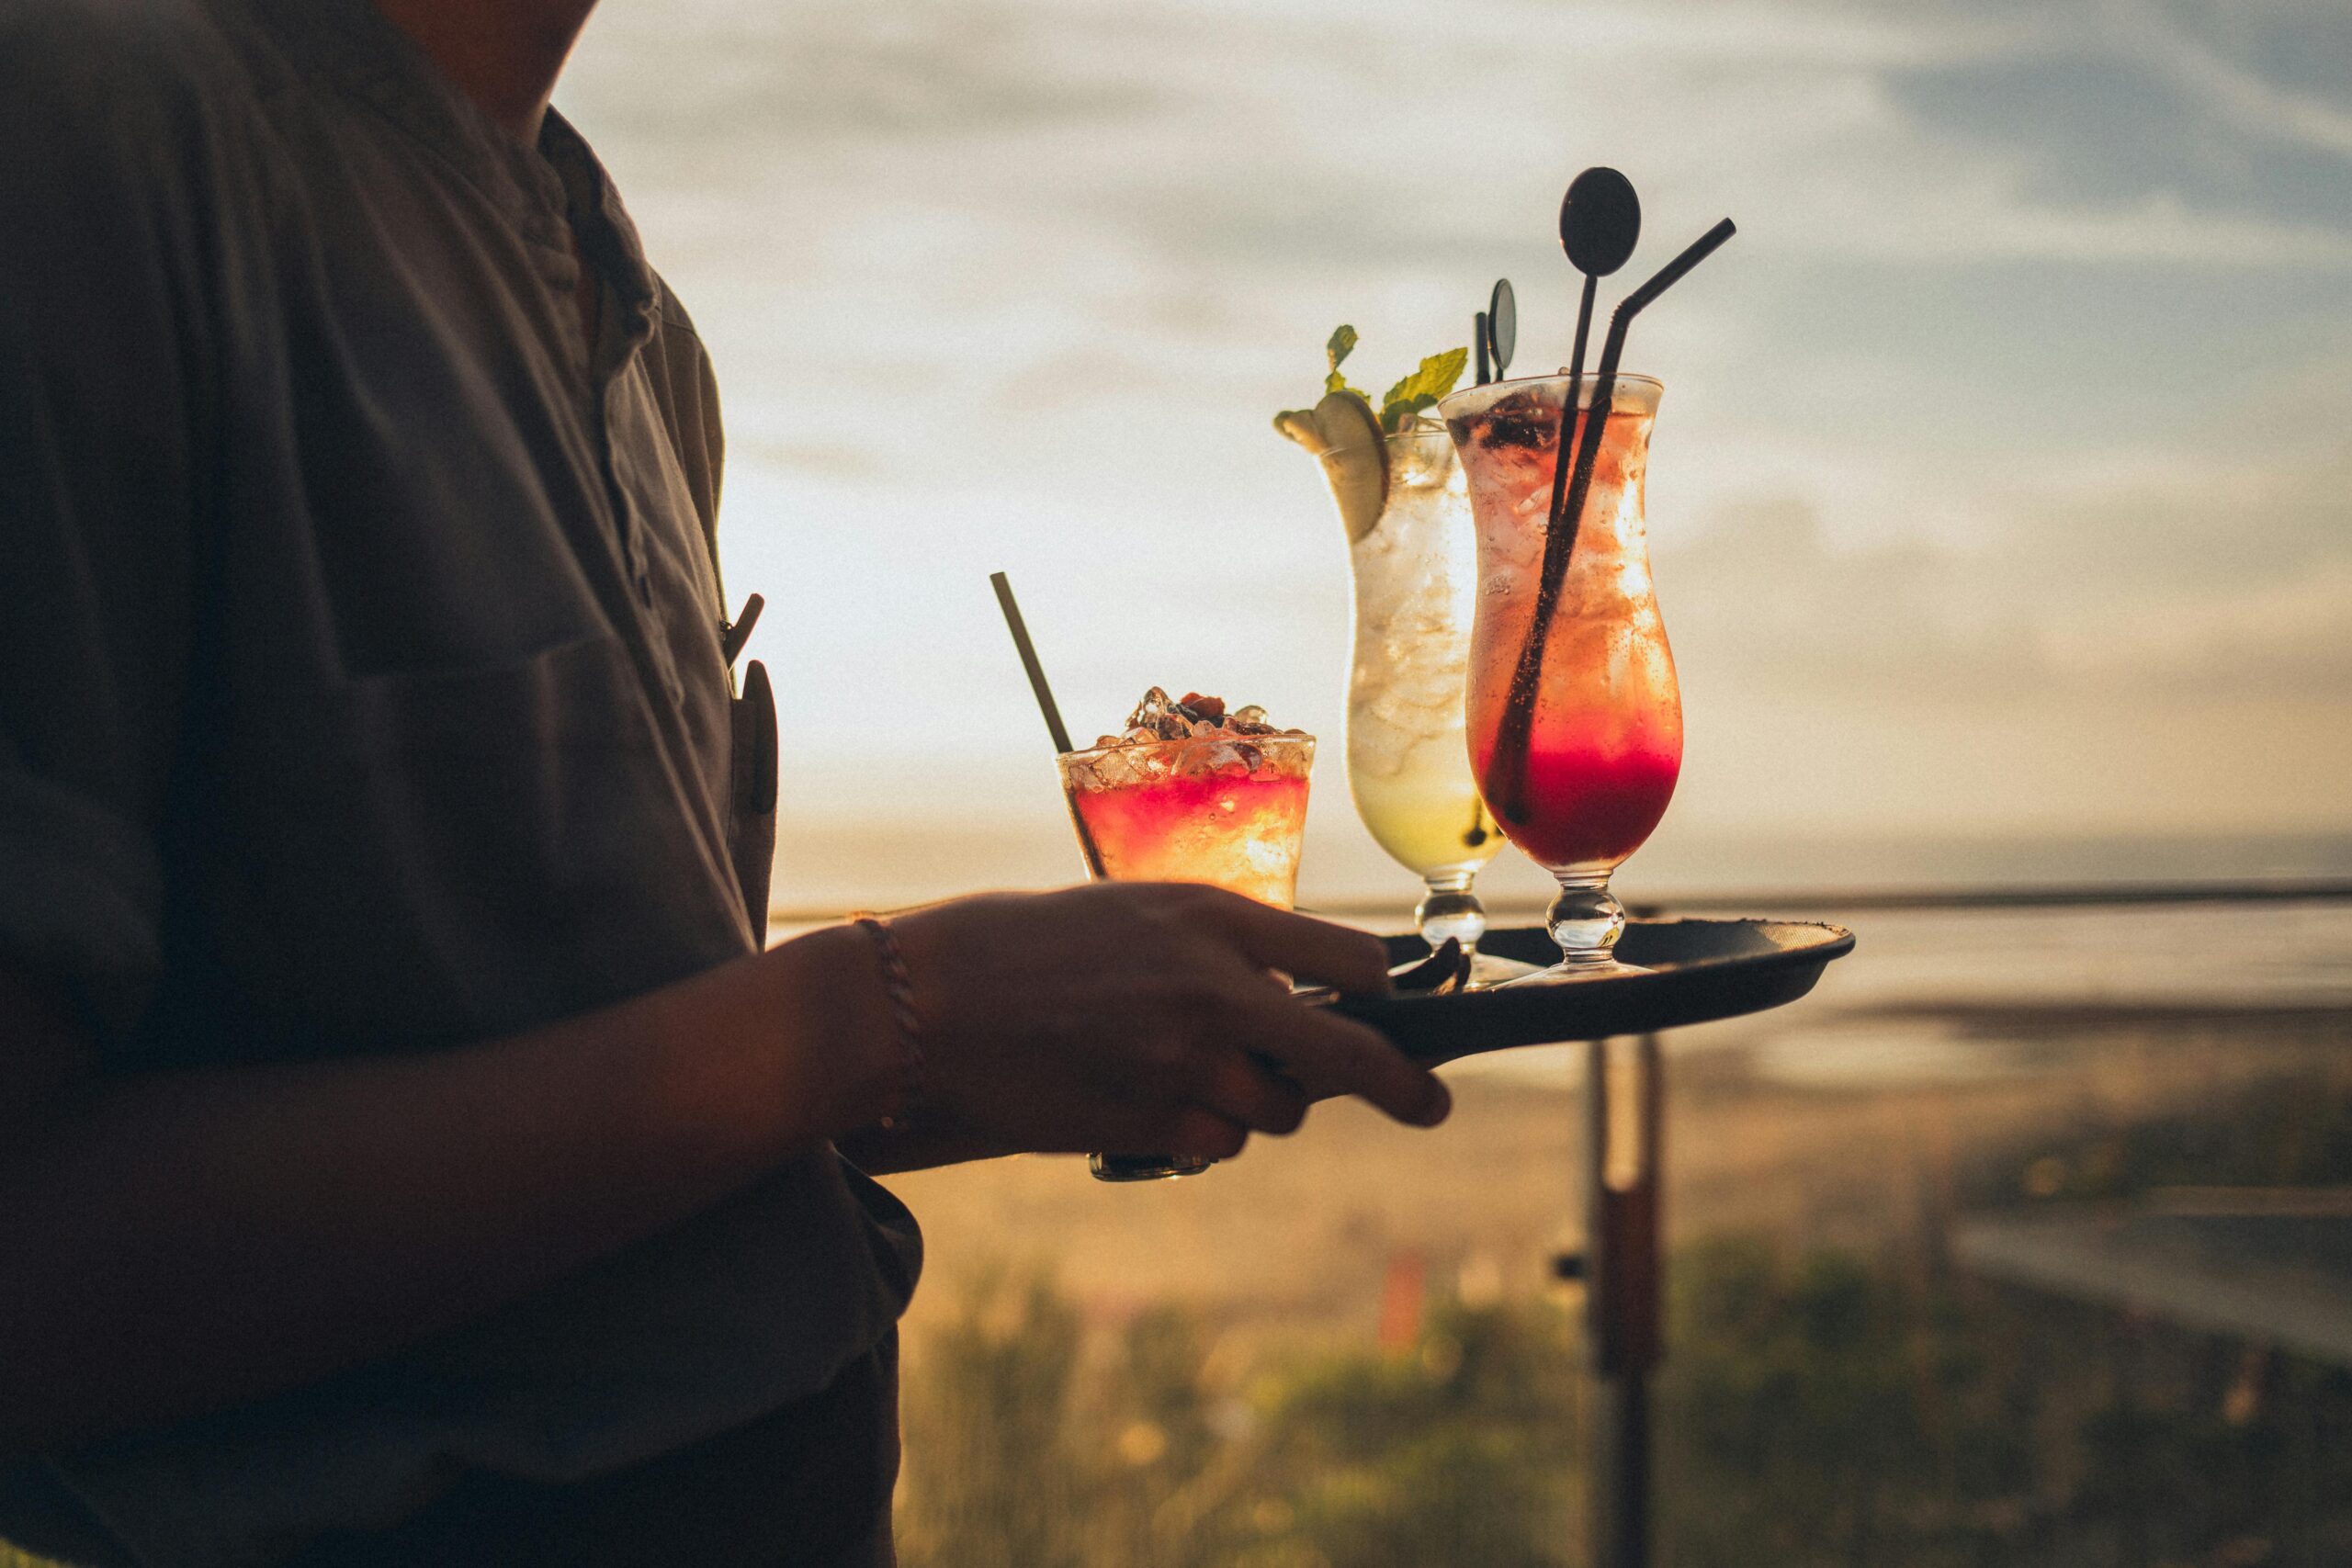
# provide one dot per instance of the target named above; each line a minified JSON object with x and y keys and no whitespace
{"x":1408,"y":398}
{"x":1342,"y":343}
{"x":1422,"y":388}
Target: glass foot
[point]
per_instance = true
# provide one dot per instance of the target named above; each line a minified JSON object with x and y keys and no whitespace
{"x":1488,"y":970}
{"x":1576,"y":973}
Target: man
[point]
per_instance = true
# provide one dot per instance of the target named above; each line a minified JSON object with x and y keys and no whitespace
{"x":407,"y":1154}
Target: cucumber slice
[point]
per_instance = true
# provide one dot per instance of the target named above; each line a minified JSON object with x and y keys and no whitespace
{"x":1355,"y":459}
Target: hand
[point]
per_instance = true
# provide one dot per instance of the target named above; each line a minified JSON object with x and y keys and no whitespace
{"x":1142,"y":1018}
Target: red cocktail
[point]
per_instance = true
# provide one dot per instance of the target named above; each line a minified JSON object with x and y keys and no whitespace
{"x":1575,"y":724}
{"x":1189,"y":794}
{"x":1225,"y":802}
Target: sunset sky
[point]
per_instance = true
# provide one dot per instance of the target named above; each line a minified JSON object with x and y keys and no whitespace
{"x":2003,"y":483}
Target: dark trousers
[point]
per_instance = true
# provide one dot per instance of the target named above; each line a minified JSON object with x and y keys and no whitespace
{"x":806,"y":1487}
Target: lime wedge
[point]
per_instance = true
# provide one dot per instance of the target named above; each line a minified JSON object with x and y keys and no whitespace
{"x":1355,"y":459}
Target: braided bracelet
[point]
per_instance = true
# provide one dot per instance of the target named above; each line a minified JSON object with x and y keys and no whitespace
{"x":906,"y":1023}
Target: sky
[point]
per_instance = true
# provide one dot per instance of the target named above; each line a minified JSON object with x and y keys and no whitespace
{"x":2002,"y":485}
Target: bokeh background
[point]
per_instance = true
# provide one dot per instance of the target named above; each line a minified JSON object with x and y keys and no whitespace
{"x":2002,"y":491}
{"x":2002,"y":507}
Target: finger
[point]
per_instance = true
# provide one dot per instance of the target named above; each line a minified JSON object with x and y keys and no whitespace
{"x":1327,"y":1052}
{"x":1313,"y":950}
{"x":1186,"y":1131}
{"x":1243,"y":1091}
{"x":1202,"y":1135}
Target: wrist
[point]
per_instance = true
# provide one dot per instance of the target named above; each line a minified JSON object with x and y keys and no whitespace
{"x":832,"y":1003}
{"x":906,"y":1023}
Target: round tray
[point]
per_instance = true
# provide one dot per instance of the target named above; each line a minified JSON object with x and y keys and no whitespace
{"x":1696,"y":972}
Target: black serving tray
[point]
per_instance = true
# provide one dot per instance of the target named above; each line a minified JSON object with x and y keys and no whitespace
{"x":1696,"y":972}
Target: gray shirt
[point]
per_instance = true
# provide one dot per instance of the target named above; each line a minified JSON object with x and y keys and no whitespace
{"x":361,"y":691}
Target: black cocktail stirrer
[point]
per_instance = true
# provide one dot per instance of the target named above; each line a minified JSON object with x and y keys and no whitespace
{"x":1478,"y":348}
{"x":1496,"y":333}
{"x":1502,"y":325}
{"x":1045,"y":705}
{"x":1509,"y":760}
{"x":1600,"y":222}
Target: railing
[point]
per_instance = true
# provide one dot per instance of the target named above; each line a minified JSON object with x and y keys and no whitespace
{"x":2268,"y":890}
{"x":1620,"y":1263}
{"x":1790,"y":900}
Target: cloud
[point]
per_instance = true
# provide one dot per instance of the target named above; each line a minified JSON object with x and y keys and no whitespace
{"x":2239,"y":97}
{"x":1321,"y":131}
{"x":2189,"y":582}
{"x":2025,"y":383}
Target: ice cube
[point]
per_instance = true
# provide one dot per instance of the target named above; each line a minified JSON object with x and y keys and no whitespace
{"x":1154,"y":708}
{"x":1523,"y":419}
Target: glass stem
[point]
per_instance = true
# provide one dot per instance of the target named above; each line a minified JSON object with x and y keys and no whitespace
{"x":1449,"y":909}
{"x":1586,"y":919}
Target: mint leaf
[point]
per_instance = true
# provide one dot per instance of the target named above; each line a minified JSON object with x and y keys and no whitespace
{"x":1342,"y":343}
{"x":1422,"y":388}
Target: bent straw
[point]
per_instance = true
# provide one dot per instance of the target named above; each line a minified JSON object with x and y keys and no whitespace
{"x":1046,"y":705}
{"x":1509,"y":760}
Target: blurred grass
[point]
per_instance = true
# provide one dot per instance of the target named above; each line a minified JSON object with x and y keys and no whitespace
{"x":1822,"y":1407}
{"x":1835,"y":1392}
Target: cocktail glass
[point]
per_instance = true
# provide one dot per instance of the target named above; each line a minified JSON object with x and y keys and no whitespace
{"x":1582,"y":785}
{"x":1220,"y":808}
{"x":1415,"y":573}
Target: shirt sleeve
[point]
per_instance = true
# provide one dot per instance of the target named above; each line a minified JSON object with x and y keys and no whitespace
{"x":102,"y":314}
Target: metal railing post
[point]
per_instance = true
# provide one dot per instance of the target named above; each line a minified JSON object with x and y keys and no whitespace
{"x":1621,"y":1277}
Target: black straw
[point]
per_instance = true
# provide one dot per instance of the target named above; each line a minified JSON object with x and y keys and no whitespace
{"x":1021,"y":645}
{"x":1028,"y":652}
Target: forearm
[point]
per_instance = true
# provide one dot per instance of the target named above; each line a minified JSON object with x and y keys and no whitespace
{"x":183,"y":1242}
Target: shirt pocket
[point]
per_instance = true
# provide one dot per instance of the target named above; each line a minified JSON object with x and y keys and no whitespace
{"x":429,"y":857}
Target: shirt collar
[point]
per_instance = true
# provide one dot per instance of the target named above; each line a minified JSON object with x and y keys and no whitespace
{"x":355,"y":46}
{"x":606,"y":234}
